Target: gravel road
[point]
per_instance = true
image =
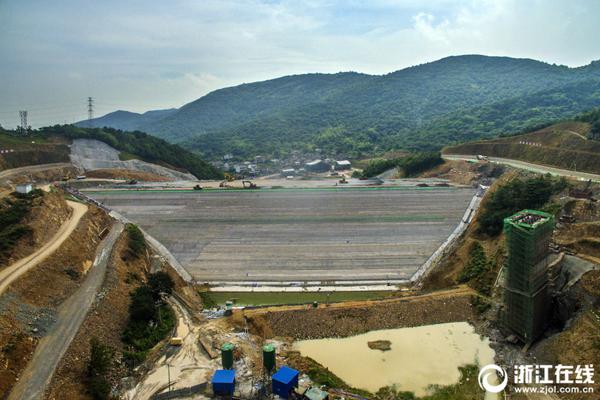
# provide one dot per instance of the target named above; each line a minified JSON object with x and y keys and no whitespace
{"x":71,"y":315}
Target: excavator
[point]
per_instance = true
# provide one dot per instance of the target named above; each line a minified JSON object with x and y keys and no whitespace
{"x":251,"y":185}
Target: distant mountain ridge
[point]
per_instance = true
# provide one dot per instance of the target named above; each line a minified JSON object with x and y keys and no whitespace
{"x":422,"y":107}
{"x":126,"y":120}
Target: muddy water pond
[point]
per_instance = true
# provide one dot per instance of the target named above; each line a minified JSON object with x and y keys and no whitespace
{"x":418,"y":357}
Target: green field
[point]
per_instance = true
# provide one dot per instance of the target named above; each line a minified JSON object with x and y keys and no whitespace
{"x":267,"y":298}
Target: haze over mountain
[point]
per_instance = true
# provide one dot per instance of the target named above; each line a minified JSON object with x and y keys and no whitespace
{"x":422,"y":107}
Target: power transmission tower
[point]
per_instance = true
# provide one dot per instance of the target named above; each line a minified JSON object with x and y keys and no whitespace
{"x":23,"y":115}
{"x":90,"y":108}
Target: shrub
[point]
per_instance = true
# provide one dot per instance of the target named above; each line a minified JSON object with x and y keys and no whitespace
{"x":99,"y":366}
{"x":136,"y":241}
{"x":478,"y":264}
{"x":514,"y":196}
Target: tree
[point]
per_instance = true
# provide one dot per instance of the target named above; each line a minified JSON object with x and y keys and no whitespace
{"x":160,"y":282}
{"x":142,"y":307}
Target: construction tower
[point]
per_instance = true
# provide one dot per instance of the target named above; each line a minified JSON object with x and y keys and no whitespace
{"x":526,"y":298}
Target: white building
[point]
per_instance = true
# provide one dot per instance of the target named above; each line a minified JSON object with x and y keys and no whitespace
{"x":24,"y":188}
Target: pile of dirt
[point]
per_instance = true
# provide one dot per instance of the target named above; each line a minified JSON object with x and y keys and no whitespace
{"x":348,"y":319}
{"x":47,"y":175}
{"x":459,"y":172}
{"x":105,"y":321}
{"x":28,"y":306}
{"x":383,"y":345}
{"x":127,"y":174}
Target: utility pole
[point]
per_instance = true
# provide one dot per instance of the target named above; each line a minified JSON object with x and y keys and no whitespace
{"x":90,"y":102}
{"x":23,"y":115}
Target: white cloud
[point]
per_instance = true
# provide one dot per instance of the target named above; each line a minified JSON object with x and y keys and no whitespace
{"x":153,"y":54}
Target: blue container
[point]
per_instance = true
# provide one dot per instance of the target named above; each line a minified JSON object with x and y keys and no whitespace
{"x":284,"y":381}
{"x":223,"y":382}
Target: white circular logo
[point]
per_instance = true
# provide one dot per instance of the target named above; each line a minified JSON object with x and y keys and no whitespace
{"x":490,"y":370}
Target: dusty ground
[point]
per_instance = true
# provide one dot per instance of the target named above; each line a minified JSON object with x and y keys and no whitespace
{"x":127,"y":174}
{"x":460,"y":172}
{"x":37,"y":173}
{"x":105,"y":321}
{"x":27,"y":308}
{"x":352,"y":318}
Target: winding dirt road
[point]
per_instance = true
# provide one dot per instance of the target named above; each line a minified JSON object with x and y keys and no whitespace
{"x":71,"y":314}
{"x":14,"y":271}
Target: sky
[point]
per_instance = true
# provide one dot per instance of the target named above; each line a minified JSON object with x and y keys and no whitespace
{"x":156,"y":54}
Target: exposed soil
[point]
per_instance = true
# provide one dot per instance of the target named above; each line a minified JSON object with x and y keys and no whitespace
{"x":105,"y":321}
{"x":127,"y":175}
{"x":28,"y":307}
{"x":48,"y":213}
{"x":353,"y":318}
{"x":460,"y":172}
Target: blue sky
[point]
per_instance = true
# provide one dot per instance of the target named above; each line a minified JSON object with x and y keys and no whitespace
{"x":142,"y":55}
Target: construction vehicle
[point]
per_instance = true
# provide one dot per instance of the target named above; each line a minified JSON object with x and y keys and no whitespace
{"x":251,"y":185}
{"x":343,"y":180}
{"x":176,"y":341}
{"x":223,"y":184}
{"x":229,"y":177}
{"x":132,"y":182}
{"x":197,"y":187}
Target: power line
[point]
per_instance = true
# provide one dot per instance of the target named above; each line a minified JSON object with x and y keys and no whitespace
{"x":23,"y":115}
{"x":90,"y":108}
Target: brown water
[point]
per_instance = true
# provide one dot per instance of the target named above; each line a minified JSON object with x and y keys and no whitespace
{"x":419,"y":357}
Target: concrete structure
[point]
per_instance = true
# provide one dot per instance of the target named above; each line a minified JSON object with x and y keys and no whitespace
{"x":343,"y":165}
{"x":24,"y":188}
{"x":297,"y":234}
{"x":526,"y":299}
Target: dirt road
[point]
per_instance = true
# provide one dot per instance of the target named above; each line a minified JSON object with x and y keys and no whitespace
{"x":71,"y":315}
{"x":31,"y":169}
{"x":182,"y":366}
{"x":541,"y":169}
{"x":14,"y":271}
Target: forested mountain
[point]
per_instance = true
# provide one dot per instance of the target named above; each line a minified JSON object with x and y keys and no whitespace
{"x":127,"y":120}
{"x":422,"y":108}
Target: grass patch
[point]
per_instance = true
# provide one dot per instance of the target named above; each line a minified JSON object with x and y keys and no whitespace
{"x":467,"y":388}
{"x":125,"y":156}
{"x":269,"y":298}
{"x":321,"y":375}
{"x":135,"y":241}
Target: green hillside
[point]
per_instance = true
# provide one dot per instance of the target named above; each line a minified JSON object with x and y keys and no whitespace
{"x":418,"y":108}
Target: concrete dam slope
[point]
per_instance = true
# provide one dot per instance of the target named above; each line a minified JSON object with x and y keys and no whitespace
{"x":90,"y":154}
{"x":296,"y":234}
